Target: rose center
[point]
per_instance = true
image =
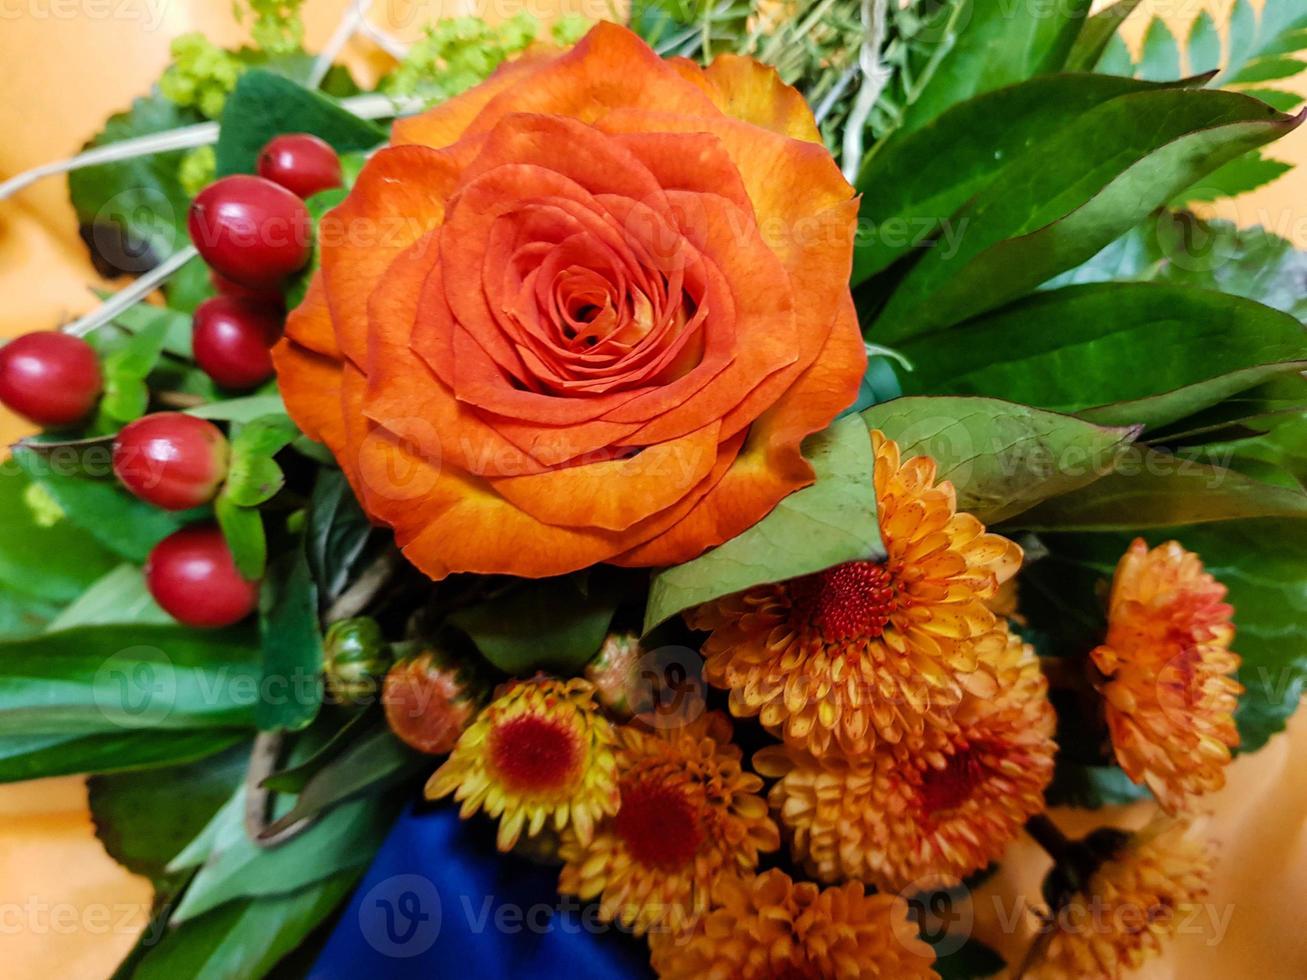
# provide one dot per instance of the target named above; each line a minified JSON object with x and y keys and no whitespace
{"x":658,"y":825}
{"x":850,"y":601}
{"x":533,"y":754}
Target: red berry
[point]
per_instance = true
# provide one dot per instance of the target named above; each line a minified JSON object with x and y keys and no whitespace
{"x":49,"y":377}
{"x":172,"y":460}
{"x":229,"y":287}
{"x":251,"y":230}
{"x":301,"y":163}
{"x":191,"y":574}
{"x":230,"y":338}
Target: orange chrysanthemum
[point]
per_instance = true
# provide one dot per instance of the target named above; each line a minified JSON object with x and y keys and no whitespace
{"x":768,"y":926}
{"x":689,"y":814}
{"x":1133,"y":901}
{"x":925,"y":815}
{"x":539,"y":752}
{"x":868,"y":650}
{"x":1166,"y":665}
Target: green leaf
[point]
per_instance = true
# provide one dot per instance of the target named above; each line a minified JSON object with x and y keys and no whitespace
{"x":1239,"y":176}
{"x":338,"y":535}
{"x":996,"y":45}
{"x":23,"y":615}
{"x":119,"y":596}
{"x":245,"y":409}
{"x":1094,"y":37}
{"x":121,"y":523}
{"x":376,"y":761}
{"x":1204,"y":45}
{"x":1151,"y":489}
{"x":54,"y":563}
{"x":295,"y":777}
{"x":144,"y":819}
{"x":244,"y":938}
{"x":265,"y":105}
{"x":1160,"y":58}
{"x":266,"y":435}
{"x":38,"y":756}
{"x":252,"y":479}
{"x":116,"y":677}
{"x":133,"y":212}
{"x":551,"y":624}
{"x":1057,"y":205}
{"x":144,"y":318}
{"x":234,"y":867}
{"x":1002,"y":458}
{"x":1078,"y":350}
{"x":1092,"y":787}
{"x":292,"y":648}
{"x":1257,"y":40}
{"x":912,"y":182}
{"x":242,"y":529}
{"x":826,"y":524}
{"x":973,"y":960}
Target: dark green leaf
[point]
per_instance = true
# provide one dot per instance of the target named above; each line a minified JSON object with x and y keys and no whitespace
{"x":119,"y":521}
{"x":55,"y":563}
{"x":116,"y":677}
{"x":1151,"y":489}
{"x":134,"y":211}
{"x":265,"y":105}
{"x":1060,"y":203}
{"x":996,"y":45}
{"x":292,"y":648}
{"x":1239,"y":176}
{"x":338,"y":534}
{"x":294,"y":778}
{"x":38,"y":756}
{"x":1002,"y":458}
{"x":1078,"y":348}
{"x":1091,"y":787}
{"x":144,"y":819}
{"x":1094,"y":37}
{"x":551,"y":624}
{"x":242,"y":528}
{"x":828,"y":523}
{"x":973,"y":960}
{"x":912,"y":182}
{"x":119,"y":596}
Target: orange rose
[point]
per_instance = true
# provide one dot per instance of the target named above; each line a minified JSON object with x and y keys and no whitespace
{"x":584,"y":312}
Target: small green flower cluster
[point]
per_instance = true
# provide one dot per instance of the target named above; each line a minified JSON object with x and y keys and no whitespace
{"x":278,"y":28}
{"x":201,"y":75}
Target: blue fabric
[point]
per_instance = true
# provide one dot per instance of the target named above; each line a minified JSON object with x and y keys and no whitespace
{"x":440,"y":901}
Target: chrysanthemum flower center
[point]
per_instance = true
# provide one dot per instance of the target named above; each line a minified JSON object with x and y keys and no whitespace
{"x":850,"y":601}
{"x":533,"y":754}
{"x":659,"y":826}
{"x":946,"y":789}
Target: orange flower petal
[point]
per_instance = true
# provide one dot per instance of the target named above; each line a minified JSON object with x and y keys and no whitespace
{"x":753,"y":92}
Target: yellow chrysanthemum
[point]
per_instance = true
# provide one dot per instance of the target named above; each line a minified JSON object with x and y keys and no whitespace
{"x":1165,"y":673}
{"x":868,"y":650}
{"x":689,"y":814}
{"x":1134,"y":900}
{"x":539,"y":752}
{"x":925,"y":815}
{"x":769,"y":927}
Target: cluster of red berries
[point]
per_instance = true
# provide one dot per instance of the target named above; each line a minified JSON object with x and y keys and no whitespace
{"x":253,"y":232}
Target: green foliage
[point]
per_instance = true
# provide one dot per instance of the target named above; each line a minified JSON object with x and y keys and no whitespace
{"x":972,"y":960}
{"x":275,"y":25}
{"x":828,"y":523}
{"x":1092,"y":787}
{"x":201,"y":75}
{"x":1002,"y":458}
{"x":265,"y":104}
{"x":1099,"y":31}
{"x":198,"y":169}
{"x":456,"y":53}
{"x":292,"y":647}
{"x":552,"y":624}
{"x":339,"y":537}
{"x":126,"y":394}
{"x":38,"y":756}
{"x":119,"y":596}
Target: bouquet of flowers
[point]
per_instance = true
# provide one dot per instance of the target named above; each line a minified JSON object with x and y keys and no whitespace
{"x":755,"y":460}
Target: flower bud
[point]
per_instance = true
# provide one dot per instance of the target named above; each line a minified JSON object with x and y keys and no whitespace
{"x":356,"y":658}
{"x":614,"y":672}
{"x":430,"y":698}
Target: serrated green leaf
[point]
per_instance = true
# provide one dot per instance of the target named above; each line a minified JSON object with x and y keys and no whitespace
{"x":292,"y":648}
{"x":265,"y":105}
{"x":1116,"y":59}
{"x":119,"y":596}
{"x":1159,"y":60}
{"x":1058,"y":204}
{"x":1203,"y":45}
{"x":831,"y":522}
{"x":1269,"y":70}
{"x":242,"y":529}
{"x":1002,"y":458}
{"x":1097,"y":33}
{"x":1239,"y":176}
{"x":912,"y":182}
{"x":1077,"y":350}
{"x":551,"y":624}
{"x":1277,"y":100}
{"x":127,"y":677}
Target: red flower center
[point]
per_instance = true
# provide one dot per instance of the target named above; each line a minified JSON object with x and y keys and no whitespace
{"x":533,"y":754}
{"x":658,"y":825}
{"x":850,"y":601}
{"x":947,"y":788}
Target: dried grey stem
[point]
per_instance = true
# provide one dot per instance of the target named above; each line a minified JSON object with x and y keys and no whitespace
{"x":875,"y":75}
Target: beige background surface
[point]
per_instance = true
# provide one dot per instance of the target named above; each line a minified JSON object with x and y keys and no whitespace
{"x":67,"y":911}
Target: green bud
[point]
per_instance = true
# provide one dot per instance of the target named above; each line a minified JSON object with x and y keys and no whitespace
{"x":356,"y":658}
{"x":614,"y":673}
